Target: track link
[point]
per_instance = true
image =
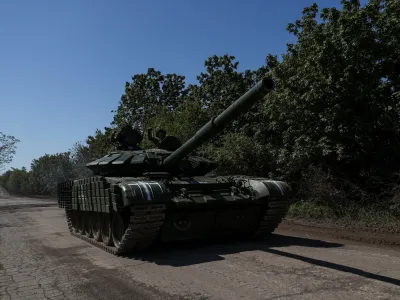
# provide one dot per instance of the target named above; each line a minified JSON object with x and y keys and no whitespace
{"x":273,"y":216}
{"x":144,"y":225}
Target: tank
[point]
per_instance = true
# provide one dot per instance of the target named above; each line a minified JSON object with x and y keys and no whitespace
{"x":135,"y":198}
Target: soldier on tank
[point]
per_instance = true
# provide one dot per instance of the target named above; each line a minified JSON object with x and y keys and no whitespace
{"x":160,"y":135}
{"x":126,"y":138}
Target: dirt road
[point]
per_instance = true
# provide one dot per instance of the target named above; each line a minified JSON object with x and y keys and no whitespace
{"x":39,"y":259}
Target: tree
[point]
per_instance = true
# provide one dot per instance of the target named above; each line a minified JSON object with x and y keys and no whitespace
{"x":7,"y":148}
{"x":182,"y":122}
{"x":222,"y":84}
{"x":16,"y":181}
{"x":48,"y":170}
{"x":145,"y":95}
{"x":80,"y":156}
{"x":337,"y":93}
{"x":99,"y":144}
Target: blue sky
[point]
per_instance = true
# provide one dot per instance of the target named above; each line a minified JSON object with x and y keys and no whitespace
{"x":64,"y":64}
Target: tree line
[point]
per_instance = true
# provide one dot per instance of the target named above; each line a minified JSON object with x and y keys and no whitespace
{"x":331,"y":128}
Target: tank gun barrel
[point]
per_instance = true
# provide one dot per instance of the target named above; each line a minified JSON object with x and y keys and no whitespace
{"x":217,"y":124}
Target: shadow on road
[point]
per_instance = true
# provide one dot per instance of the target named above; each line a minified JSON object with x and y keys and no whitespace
{"x":184,"y":253}
{"x":337,"y":267}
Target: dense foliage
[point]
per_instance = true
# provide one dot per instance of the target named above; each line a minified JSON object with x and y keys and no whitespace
{"x":331,"y":128}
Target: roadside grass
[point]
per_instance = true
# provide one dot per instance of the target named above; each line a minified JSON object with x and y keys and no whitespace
{"x":373,"y":217}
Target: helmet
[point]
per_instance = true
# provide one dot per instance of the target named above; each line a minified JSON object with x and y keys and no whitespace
{"x":119,"y":134}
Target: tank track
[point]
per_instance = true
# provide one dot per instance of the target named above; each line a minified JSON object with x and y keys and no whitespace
{"x":273,"y":216}
{"x":144,"y":225}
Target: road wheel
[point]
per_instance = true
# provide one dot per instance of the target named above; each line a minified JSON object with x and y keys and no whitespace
{"x":106,"y":230}
{"x":74,"y":221}
{"x":88,"y":224}
{"x":119,"y":226}
{"x":96,"y":227}
{"x":81,"y":223}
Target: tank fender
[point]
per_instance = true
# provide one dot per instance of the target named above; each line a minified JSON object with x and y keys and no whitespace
{"x":142,"y":192}
{"x":264,"y":188}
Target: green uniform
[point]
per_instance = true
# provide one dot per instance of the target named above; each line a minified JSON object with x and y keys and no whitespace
{"x":156,"y":140}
